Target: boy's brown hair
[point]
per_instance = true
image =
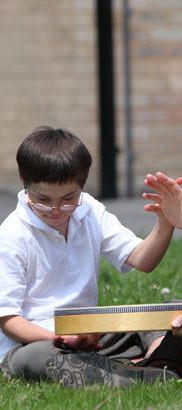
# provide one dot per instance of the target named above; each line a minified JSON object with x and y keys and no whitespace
{"x":53,"y":156}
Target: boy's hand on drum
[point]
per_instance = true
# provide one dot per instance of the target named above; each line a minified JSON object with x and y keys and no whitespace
{"x":83,"y":342}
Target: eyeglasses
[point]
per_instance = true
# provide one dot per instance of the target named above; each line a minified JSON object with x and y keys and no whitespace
{"x":66,"y":207}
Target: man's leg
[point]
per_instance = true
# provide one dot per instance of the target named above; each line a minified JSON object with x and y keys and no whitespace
{"x":167,"y":355}
{"x":169,"y":352}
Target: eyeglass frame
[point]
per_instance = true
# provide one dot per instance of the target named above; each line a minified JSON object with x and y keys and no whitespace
{"x":66,"y":207}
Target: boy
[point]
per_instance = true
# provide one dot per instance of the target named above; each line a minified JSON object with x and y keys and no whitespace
{"x":50,"y":248}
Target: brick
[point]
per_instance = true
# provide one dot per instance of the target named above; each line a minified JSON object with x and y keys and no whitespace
{"x":48,"y":75}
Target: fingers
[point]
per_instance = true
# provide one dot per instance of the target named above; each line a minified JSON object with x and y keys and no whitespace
{"x":93,"y":340}
{"x":82,"y":342}
{"x":74,"y":341}
{"x":152,"y":197}
{"x":179,"y":181}
{"x":177,"y":322}
{"x":163,"y":184}
{"x":156,"y":209}
{"x":152,"y":208}
{"x":156,"y":184}
{"x":169,"y":182}
{"x":90,"y":342}
{"x":177,"y":326}
{"x":70,"y":340}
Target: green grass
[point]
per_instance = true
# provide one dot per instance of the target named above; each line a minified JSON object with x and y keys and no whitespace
{"x":114,"y":289}
{"x":16,"y":395}
{"x":138,"y":287}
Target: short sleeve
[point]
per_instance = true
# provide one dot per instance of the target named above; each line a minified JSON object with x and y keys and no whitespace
{"x":117,"y":241}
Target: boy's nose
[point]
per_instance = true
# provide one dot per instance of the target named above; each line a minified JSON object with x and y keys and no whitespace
{"x":56,"y":210}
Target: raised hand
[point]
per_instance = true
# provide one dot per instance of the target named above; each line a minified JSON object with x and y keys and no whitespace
{"x":167,"y":200}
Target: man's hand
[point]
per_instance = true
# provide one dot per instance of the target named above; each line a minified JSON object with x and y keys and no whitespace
{"x":168,"y":200}
{"x":83,"y":342}
{"x":177,"y":326}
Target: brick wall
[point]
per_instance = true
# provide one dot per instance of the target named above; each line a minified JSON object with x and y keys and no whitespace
{"x":156,"y":85}
{"x":48,"y":75}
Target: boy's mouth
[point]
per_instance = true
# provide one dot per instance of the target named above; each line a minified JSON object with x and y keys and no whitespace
{"x":54,"y":217}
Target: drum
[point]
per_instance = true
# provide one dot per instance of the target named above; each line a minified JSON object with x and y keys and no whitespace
{"x":116,"y":319}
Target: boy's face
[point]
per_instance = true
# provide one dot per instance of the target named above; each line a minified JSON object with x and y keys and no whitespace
{"x":54,"y":195}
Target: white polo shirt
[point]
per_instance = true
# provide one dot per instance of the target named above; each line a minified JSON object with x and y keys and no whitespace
{"x":41,"y":272}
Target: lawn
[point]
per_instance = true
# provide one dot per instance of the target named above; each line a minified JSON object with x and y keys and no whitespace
{"x":114,"y":289}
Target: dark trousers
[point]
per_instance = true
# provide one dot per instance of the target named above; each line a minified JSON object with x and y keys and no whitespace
{"x":44,"y":359}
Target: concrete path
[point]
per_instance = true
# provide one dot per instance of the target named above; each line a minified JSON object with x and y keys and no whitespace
{"x":129,"y":211}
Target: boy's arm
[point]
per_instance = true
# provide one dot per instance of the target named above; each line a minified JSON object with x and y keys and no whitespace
{"x":168,"y":206}
{"x":149,"y":252}
{"x":20,"y":329}
{"x":168,"y":200}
